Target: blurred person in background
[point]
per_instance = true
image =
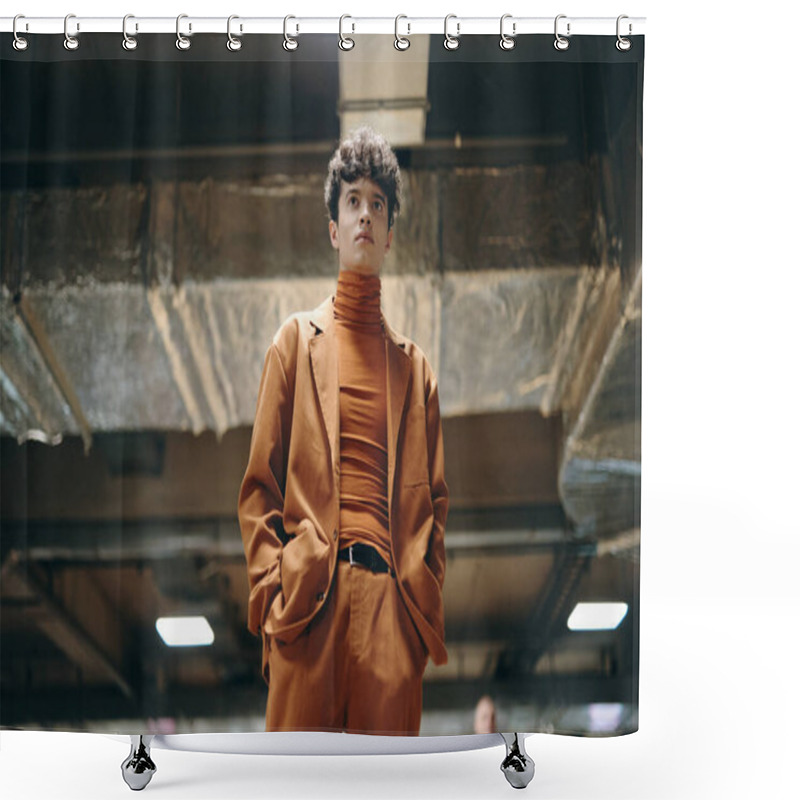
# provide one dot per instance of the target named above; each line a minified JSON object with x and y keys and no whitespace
{"x":485,"y":720}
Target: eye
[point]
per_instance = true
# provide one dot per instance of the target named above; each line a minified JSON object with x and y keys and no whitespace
{"x":378,"y":205}
{"x":352,"y":200}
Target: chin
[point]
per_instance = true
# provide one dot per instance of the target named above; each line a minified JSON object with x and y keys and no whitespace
{"x":364,"y":269}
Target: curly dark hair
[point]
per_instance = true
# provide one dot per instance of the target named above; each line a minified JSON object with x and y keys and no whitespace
{"x":364,"y":154}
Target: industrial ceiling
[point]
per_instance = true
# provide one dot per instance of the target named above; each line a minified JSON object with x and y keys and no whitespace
{"x":145,"y":268}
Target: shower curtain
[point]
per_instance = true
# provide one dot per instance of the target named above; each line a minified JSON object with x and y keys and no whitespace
{"x":163,"y":215}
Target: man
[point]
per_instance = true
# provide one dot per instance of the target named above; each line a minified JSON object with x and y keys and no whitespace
{"x":343,"y":503}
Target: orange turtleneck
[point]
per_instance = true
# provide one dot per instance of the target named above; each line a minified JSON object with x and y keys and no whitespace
{"x":364,"y":515}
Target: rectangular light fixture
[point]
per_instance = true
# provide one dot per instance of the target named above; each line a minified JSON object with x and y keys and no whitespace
{"x":597,"y":616}
{"x":185,"y":631}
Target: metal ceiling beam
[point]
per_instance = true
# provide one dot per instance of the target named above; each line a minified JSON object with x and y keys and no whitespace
{"x":541,"y":628}
{"x":104,"y":543}
{"x":60,"y":627}
{"x":600,"y":474}
{"x":98,"y":543}
{"x":316,"y":152}
{"x":31,"y":403}
{"x":37,"y":332}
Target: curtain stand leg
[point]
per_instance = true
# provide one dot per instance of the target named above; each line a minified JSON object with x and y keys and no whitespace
{"x":517,"y":766}
{"x":138,"y":768}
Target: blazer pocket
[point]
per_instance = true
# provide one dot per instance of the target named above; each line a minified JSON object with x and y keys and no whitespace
{"x":304,"y":577}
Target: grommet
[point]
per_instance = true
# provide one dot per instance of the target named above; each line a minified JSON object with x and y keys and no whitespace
{"x":400,"y":42}
{"x":182,"y":43}
{"x":345,"y":43}
{"x":289,"y":42}
{"x":20,"y":43}
{"x":507,"y":42}
{"x":70,"y":42}
{"x":561,"y":43}
{"x":128,"y":42}
{"x":623,"y":44}
{"x":234,"y":42}
{"x":451,"y":42}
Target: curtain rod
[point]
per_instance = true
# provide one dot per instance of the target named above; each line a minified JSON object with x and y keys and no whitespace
{"x":296,"y":26}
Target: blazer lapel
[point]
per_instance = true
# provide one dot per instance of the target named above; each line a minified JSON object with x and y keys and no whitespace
{"x":325,"y":369}
{"x":398,"y":372}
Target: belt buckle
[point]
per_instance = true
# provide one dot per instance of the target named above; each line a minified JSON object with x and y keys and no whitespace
{"x":350,"y":554}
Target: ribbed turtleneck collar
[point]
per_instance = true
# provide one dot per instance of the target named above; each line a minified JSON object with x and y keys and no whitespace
{"x":358,"y":299}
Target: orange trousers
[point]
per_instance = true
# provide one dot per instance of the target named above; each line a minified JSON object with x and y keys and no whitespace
{"x":356,"y":668}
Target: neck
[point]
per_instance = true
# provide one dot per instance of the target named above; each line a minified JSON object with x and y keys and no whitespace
{"x":358,"y":299}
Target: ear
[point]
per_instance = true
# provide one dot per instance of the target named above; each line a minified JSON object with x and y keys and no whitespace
{"x":389,"y":241}
{"x":333,"y":232}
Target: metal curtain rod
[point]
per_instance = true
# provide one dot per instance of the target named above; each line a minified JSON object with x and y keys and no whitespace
{"x":74,"y":25}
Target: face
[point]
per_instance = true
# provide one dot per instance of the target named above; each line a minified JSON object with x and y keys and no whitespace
{"x":362,"y":234}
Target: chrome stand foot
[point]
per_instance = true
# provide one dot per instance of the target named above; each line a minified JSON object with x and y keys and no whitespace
{"x":517,"y":766}
{"x":138,"y":768}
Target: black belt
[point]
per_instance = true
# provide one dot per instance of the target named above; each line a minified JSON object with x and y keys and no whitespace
{"x":365,"y":556}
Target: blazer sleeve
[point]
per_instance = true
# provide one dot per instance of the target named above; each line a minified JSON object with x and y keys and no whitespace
{"x":435,"y":556}
{"x":261,"y":495}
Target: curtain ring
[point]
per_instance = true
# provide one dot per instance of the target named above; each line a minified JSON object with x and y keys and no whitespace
{"x":451,"y":42}
{"x":289,"y":42}
{"x":70,"y":42}
{"x":20,"y":43}
{"x":345,"y":43}
{"x":400,"y":42}
{"x":128,"y":42}
{"x":623,"y":44}
{"x":182,"y":43}
{"x":507,"y":42}
{"x":561,"y":43}
{"x":234,"y":42}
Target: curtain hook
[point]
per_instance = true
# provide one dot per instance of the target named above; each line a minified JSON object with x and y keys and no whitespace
{"x":70,"y":42}
{"x":234,"y":42}
{"x":346,"y":43}
{"x":561,"y":43}
{"x":400,"y":42}
{"x":182,"y":43}
{"x":623,"y":44}
{"x":128,"y":42}
{"x":507,"y":42}
{"x":451,"y":42}
{"x":289,"y":42}
{"x":20,"y":43}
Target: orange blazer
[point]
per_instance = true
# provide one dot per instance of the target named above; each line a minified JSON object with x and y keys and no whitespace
{"x":289,"y":497}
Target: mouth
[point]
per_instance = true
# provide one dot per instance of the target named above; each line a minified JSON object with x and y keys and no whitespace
{"x":364,"y":237}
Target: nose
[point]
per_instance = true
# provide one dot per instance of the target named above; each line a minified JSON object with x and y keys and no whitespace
{"x":365,"y":217}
